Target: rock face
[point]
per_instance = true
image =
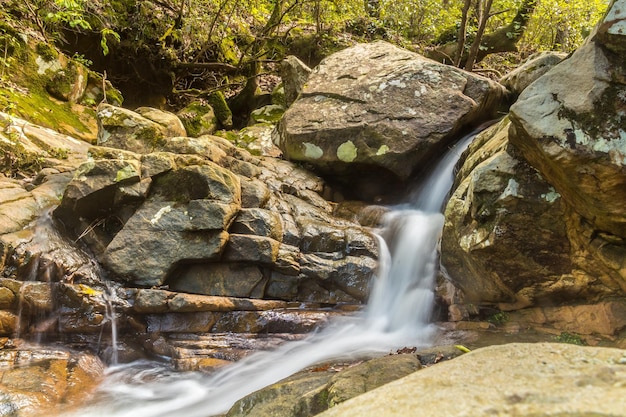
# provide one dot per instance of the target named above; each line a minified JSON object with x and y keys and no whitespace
{"x":488,"y":248}
{"x":537,"y":217}
{"x":503,"y":381}
{"x":374,"y":114}
{"x":202,"y":216}
{"x":569,"y":125}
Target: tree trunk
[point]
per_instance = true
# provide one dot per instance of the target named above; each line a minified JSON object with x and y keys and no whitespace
{"x":462,"y":35}
{"x":504,"y":39}
{"x":483,"y":16}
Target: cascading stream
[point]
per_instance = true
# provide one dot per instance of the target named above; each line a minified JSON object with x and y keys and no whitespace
{"x":396,"y":316}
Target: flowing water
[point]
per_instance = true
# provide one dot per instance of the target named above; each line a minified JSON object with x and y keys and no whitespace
{"x":397,"y":315}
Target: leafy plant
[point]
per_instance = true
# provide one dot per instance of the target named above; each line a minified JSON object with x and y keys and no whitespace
{"x":499,"y":318}
{"x":570,"y":338}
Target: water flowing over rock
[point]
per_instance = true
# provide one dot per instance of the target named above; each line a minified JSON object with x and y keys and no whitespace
{"x":503,"y":380}
{"x":374,"y":114}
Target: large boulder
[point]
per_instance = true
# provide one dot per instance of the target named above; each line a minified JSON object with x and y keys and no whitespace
{"x":541,"y":379}
{"x":490,"y":245}
{"x":569,"y":125}
{"x":312,"y":391}
{"x":374,"y":114}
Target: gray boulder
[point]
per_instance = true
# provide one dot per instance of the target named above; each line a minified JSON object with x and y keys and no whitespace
{"x":503,"y":380}
{"x":530,"y":70}
{"x":569,"y":125}
{"x":374,"y":114}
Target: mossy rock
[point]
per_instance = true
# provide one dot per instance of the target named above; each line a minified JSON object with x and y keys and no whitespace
{"x":94,"y":95}
{"x":278,"y":95}
{"x":267,"y":114}
{"x":199,"y":119}
{"x":223,"y":113}
{"x":47,"y":51}
{"x":69,"y":83}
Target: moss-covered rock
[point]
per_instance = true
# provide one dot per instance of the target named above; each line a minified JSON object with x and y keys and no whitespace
{"x":223,"y":113}
{"x":199,"y":119}
{"x":267,"y":114}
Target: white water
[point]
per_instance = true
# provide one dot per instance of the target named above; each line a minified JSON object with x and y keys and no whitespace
{"x":397,"y":315}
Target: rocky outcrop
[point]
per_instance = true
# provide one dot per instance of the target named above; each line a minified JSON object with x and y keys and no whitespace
{"x":374,"y":114}
{"x":537,"y":216}
{"x":507,"y":239}
{"x":206,"y":217}
{"x":503,"y":380}
{"x":569,"y":125}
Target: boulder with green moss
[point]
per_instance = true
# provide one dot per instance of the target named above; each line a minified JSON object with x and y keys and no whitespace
{"x":223,"y":113}
{"x":199,"y":119}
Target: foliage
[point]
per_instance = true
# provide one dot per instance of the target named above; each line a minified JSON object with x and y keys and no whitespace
{"x":570,"y":338}
{"x":499,"y":318}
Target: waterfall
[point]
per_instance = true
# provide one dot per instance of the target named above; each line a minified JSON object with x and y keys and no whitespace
{"x":396,"y":316}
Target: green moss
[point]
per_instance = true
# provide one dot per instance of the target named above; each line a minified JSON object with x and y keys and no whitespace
{"x":222,"y":111}
{"x":46,"y":51}
{"x":499,"y":318}
{"x":570,"y":338}
{"x":198,"y":119}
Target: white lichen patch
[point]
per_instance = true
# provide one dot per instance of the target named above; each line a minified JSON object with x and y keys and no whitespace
{"x":551,"y":196}
{"x":512,"y":189}
{"x":312,"y":151}
{"x":616,"y":148}
{"x":43,"y":66}
{"x":411,"y":112}
{"x":422,"y":90}
{"x":397,"y":83}
{"x":347,"y":151}
{"x":382,"y":150}
{"x":617,"y":18}
{"x":159,"y":214}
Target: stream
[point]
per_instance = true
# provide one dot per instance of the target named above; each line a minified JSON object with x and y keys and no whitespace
{"x":397,"y":315}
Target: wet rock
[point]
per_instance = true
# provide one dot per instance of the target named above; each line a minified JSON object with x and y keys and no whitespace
{"x":397,"y":108}
{"x":200,"y":322}
{"x":581,"y":381}
{"x":222,"y":279}
{"x":36,"y":381}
